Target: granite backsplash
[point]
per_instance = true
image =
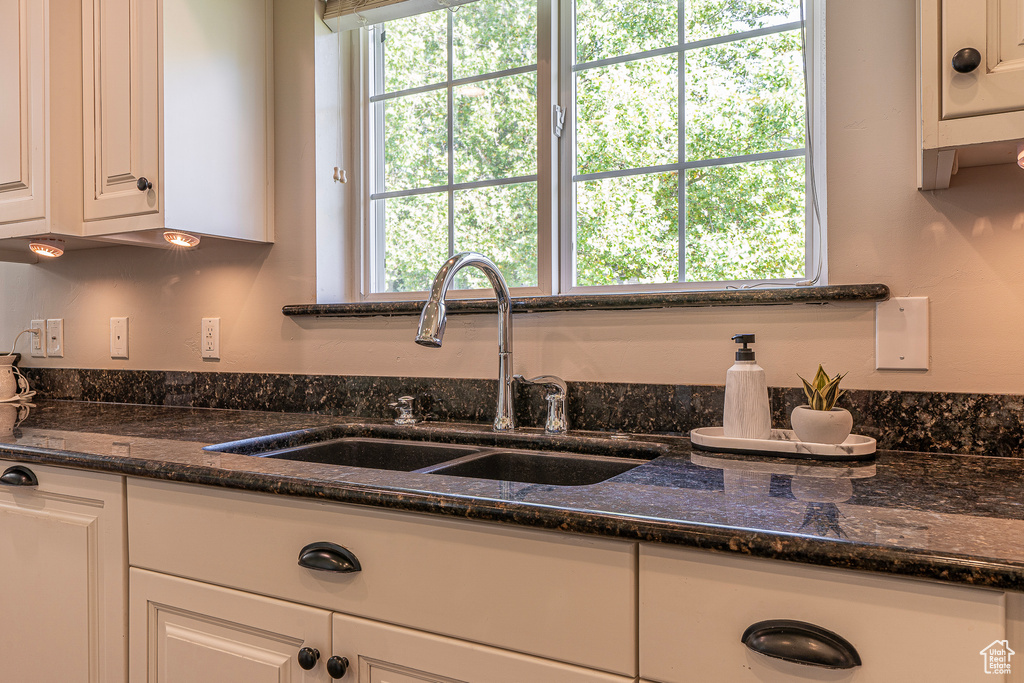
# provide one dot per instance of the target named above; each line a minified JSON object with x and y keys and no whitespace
{"x":977,"y":424}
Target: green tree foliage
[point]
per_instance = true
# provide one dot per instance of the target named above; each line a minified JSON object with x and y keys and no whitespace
{"x":627,"y":230}
{"x":609,"y":28}
{"x":494,"y":136}
{"x":740,"y":220}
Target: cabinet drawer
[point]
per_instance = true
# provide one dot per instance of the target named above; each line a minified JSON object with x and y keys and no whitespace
{"x":694,"y":608}
{"x":555,"y":595}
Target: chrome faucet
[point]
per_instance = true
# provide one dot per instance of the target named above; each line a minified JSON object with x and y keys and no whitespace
{"x":433,"y":318}
{"x":557,"y":422}
{"x":406,"y":407}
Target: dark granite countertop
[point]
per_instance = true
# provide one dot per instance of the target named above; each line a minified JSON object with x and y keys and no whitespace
{"x":952,"y":518}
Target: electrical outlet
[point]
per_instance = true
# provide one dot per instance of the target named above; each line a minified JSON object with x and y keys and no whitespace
{"x":55,"y":338}
{"x":119,"y":337}
{"x":210,"y":338}
{"x":38,"y":339}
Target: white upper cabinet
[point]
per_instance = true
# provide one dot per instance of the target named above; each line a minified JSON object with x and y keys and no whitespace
{"x":995,"y":31}
{"x":22,"y":138}
{"x":122,"y":118}
{"x":120,"y":108}
{"x":971,"y":85}
{"x":40,"y":122}
{"x":178,"y":118}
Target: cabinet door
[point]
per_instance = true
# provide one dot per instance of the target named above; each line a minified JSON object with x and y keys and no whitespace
{"x":995,"y":28}
{"x":22,"y":116}
{"x":62,"y":560}
{"x":382,"y":653}
{"x":120,"y":92}
{"x":188,"y":632}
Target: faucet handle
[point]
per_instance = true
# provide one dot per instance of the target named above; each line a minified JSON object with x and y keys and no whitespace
{"x":406,"y":406}
{"x":556,"y":383}
{"x":557,"y":422}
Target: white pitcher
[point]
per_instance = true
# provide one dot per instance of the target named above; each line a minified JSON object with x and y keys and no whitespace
{"x":12,"y":382}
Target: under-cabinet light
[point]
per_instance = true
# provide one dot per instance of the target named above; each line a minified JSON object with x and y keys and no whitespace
{"x":50,"y":248}
{"x":181,"y":239}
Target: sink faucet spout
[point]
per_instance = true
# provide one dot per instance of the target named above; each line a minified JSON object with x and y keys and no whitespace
{"x":434,"y":316}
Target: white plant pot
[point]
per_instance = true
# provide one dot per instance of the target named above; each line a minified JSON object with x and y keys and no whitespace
{"x":821,"y":426}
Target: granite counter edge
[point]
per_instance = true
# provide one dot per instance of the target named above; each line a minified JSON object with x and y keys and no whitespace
{"x":907,"y":563}
{"x":766,"y":296}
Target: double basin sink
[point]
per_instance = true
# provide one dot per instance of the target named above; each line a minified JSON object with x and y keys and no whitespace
{"x":516,"y":464}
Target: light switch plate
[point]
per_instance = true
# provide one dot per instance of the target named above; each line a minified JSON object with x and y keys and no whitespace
{"x":55,"y":338}
{"x":37,"y":347}
{"x":901,"y":333}
{"x":119,"y":337}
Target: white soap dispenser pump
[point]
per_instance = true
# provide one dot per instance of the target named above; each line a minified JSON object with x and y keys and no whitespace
{"x":747,"y":415}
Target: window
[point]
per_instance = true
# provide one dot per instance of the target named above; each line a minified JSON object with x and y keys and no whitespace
{"x":454,"y":128}
{"x":682,"y":160}
{"x":689,"y":154}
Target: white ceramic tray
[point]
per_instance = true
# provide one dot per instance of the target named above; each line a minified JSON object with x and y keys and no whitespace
{"x":783,"y":444}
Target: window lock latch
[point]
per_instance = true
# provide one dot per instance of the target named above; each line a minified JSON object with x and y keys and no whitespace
{"x":558,"y":120}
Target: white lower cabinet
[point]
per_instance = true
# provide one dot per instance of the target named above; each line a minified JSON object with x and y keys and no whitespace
{"x":188,"y":632}
{"x":232,"y":586}
{"x":553,"y":596}
{"x":382,"y":653}
{"x":62,"y":570}
{"x":696,"y":606}
{"x":184,"y":631}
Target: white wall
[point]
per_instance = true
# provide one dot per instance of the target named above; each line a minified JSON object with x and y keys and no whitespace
{"x":963,"y":248}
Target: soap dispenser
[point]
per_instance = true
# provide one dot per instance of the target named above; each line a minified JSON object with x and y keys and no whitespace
{"x":747,"y":415}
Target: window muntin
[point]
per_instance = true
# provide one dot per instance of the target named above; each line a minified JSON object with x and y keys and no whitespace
{"x":629,"y":224}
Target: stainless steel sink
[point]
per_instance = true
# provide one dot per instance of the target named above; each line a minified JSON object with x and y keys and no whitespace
{"x":330,"y":446}
{"x":537,"y":467}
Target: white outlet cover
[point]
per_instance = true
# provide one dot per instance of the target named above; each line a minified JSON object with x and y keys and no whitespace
{"x":209,"y":338}
{"x":55,"y":338}
{"x":37,"y":343}
{"x":901,"y":333}
{"x":119,"y":337}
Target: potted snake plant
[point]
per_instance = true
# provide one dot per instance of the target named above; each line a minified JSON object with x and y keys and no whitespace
{"x":820,"y":421}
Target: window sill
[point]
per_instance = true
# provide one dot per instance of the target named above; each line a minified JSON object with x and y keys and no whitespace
{"x":610,"y":302}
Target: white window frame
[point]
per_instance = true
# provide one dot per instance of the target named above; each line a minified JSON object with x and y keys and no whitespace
{"x":345,"y":261}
